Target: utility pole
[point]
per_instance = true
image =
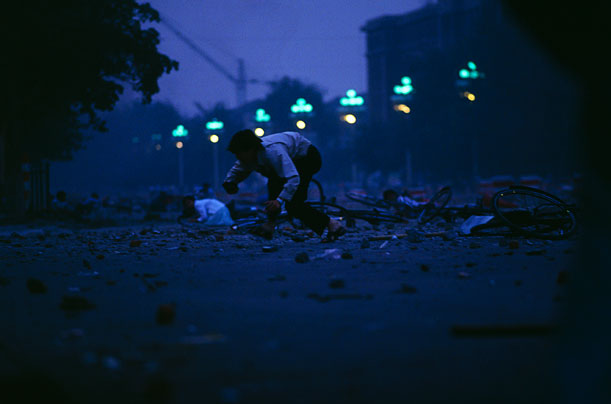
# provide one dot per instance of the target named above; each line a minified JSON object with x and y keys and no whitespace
{"x":240,"y":81}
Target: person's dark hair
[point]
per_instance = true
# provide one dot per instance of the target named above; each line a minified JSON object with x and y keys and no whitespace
{"x":61,"y":196}
{"x":390,"y":194}
{"x":244,"y":140}
{"x":187,"y":198}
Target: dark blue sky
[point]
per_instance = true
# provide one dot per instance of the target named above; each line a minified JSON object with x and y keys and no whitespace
{"x":318,"y":41}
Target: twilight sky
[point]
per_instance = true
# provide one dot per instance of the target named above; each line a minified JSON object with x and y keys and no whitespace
{"x":317,"y":41}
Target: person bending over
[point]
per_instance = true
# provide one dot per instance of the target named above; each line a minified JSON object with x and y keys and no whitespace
{"x":207,"y":211}
{"x":289,"y":161}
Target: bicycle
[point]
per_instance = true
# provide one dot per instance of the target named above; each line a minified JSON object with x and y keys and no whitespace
{"x":424,"y":213}
{"x":521,"y":210}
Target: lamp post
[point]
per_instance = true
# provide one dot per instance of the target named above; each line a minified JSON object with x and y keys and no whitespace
{"x":349,"y":107}
{"x":180,"y":134}
{"x":214,"y":129}
{"x":402,"y":94}
{"x":467,"y":77}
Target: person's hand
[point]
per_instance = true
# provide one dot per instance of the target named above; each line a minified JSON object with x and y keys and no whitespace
{"x":230,"y":187}
{"x":272,"y":206}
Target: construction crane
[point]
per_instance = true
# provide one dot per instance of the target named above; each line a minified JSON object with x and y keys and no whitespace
{"x":240,"y":81}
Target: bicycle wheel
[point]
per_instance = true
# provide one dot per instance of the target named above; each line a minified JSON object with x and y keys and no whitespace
{"x":329,"y":209}
{"x":366,"y":199}
{"x":534,"y":213}
{"x":435,"y":205}
{"x":374,"y":216}
{"x":315,"y":192}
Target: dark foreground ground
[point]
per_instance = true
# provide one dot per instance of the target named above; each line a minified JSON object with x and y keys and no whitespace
{"x":183,"y":315}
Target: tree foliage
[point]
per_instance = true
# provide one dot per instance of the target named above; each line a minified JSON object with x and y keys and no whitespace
{"x":66,"y":61}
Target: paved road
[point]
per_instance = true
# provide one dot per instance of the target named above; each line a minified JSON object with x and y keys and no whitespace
{"x":168,"y":314}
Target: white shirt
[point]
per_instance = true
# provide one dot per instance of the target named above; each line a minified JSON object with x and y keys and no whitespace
{"x":276,"y":158}
{"x":207,"y":208}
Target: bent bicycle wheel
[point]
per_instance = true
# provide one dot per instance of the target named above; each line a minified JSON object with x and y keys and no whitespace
{"x":329,"y":209}
{"x":534,"y":213}
{"x":366,"y":199}
{"x":315,"y":192}
{"x":435,"y":205}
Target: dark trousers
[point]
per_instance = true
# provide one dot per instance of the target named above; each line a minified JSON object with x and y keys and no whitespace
{"x":306,"y":166}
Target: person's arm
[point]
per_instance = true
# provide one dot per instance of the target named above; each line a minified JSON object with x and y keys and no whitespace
{"x":236,"y":174}
{"x":202,"y":210}
{"x":285,"y":168}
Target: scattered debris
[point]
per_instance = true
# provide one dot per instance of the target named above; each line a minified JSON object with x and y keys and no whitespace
{"x":332,"y":253}
{"x":269,"y":248}
{"x":464,"y":275}
{"x":302,"y":257}
{"x":514,"y":244}
{"x":336,"y":283}
{"x":135,"y":243}
{"x":347,"y":255}
{"x":165,"y":314}
{"x":474,"y":245}
{"x":276,"y":278}
{"x":365,"y":243}
{"x":346,"y":296}
{"x":36,"y":286}
{"x":536,"y":252}
{"x":472,"y":222}
{"x":424,"y":267}
{"x":449,"y":235}
{"x":407,"y":289}
{"x":75,"y":303}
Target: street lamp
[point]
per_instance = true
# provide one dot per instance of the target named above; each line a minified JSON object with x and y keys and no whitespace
{"x":259,"y":132}
{"x":349,"y":118}
{"x":300,"y":124}
{"x":180,"y":132}
{"x":214,"y":129}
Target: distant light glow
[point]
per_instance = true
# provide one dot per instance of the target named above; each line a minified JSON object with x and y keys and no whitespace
{"x":471,"y":97}
{"x":405,"y":87}
{"x":300,"y":124}
{"x":351,"y":99}
{"x":463,"y":73}
{"x":259,"y":132}
{"x":157,"y":147}
{"x":215,"y":124}
{"x":471,"y":65}
{"x":262,"y":116}
{"x":179,"y":145}
{"x":349,"y":118}
{"x":402,"y":108}
{"x":301,"y":106}
{"x":214,"y":138}
{"x":180,"y":131}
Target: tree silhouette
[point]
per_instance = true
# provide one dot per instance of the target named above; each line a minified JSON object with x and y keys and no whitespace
{"x":66,"y":60}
